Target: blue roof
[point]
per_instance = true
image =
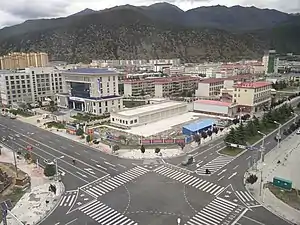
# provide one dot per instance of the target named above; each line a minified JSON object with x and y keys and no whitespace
{"x":92,"y":71}
{"x":193,"y":127}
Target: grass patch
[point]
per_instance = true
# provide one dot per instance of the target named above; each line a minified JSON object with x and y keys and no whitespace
{"x":131,"y":104}
{"x":55,"y":125}
{"x":289,"y":197}
{"x":89,"y":117}
{"x":231,"y":151}
{"x":21,"y":112}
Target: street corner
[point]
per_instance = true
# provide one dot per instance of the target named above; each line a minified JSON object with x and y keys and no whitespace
{"x":74,"y":199}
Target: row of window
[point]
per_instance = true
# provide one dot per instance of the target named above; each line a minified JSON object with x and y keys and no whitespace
{"x":124,"y":121}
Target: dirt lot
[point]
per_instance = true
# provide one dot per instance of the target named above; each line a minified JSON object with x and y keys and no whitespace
{"x":13,"y":193}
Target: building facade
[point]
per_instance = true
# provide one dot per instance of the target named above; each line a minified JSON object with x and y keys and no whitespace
{"x":90,"y":90}
{"x":20,"y":60}
{"x":252,"y":96}
{"x":147,"y":114}
{"x":30,"y":85}
{"x":160,"y":87}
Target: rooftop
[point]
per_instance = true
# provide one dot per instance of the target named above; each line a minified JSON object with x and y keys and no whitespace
{"x":91,"y":71}
{"x":212,"y":102}
{"x":148,"y":108}
{"x":194,"y":127}
{"x":250,"y":85}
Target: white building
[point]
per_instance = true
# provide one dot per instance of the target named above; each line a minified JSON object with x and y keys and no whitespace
{"x":90,"y":90}
{"x":217,"y":108}
{"x":147,"y":114}
{"x":30,"y":85}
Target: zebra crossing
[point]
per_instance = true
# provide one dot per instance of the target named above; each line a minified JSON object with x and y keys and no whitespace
{"x":215,"y":164}
{"x":99,"y":188}
{"x":105,"y":215}
{"x":246,"y":198}
{"x":190,"y":180}
{"x":217,"y":212}
{"x":68,"y":198}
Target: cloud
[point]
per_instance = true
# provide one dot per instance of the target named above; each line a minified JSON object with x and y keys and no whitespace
{"x":16,"y":11}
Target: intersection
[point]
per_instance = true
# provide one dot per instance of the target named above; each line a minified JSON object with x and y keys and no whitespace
{"x":104,"y":189}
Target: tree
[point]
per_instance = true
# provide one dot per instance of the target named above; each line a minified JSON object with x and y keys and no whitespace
{"x":182,"y":145}
{"x":27,"y":156}
{"x":52,"y":106}
{"x":49,"y":170}
{"x":241,"y":134}
{"x":203,"y":134}
{"x":209,"y":133}
{"x":197,"y":138}
{"x":143,"y":149}
{"x":216,"y":130}
{"x":231,"y":137}
{"x":14,"y":113}
{"x":79,"y":132}
{"x":115,"y":148}
{"x":251,"y":129}
{"x":157,"y":150}
{"x":251,"y":179}
{"x":88,"y":138}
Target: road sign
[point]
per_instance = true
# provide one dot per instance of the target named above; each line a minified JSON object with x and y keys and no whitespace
{"x":282,"y":183}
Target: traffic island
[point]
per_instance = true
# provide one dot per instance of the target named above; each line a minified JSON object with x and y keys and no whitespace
{"x":231,"y":151}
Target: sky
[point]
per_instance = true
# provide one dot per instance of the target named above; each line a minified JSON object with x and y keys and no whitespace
{"x":17,"y":11}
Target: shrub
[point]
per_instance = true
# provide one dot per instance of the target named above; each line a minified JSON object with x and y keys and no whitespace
{"x":79,"y":132}
{"x":251,"y":179}
{"x":143,"y":149}
{"x":49,"y":170}
{"x":157,"y":150}
{"x":115,"y":148}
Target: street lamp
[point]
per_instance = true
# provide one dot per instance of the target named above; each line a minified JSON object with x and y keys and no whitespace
{"x":262,"y":147}
{"x":14,"y":152}
{"x":56,"y":167}
{"x":278,"y":134}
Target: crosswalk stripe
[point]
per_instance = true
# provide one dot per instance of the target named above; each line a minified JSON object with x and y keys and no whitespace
{"x":105,"y":215}
{"x":215,"y":164}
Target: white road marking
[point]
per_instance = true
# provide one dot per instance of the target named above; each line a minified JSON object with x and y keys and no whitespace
{"x":253,"y":220}
{"x":101,"y":167}
{"x":102,"y":158}
{"x":71,"y":221}
{"x":121,"y":166}
{"x":248,"y":157}
{"x":89,"y":170}
{"x":220,"y":178}
{"x":94,"y":160}
{"x":71,"y":145}
{"x":235,"y":167}
{"x":222,"y":172}
{"x":113,"y":169}
{"x":109,"y":164}
{"x":51,"y":142}
{"x":81,"y":174}
{"x":76,"y":153}
{"x":232,"y":175}
{"x":63,"y":147}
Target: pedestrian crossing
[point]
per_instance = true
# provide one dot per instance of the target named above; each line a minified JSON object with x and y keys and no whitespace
{"x":214,"y":165}
{"x":105,"y":215}
{"x":190,"y":180}
{"x":246,"y":198}
{"x":99,"y":188}
{"x":217,"y":212}
{"x":68,"y":198}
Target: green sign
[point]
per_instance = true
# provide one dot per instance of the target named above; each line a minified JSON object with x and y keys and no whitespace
{"x":282,"y":183}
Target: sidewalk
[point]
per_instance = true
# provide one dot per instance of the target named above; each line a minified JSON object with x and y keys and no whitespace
{"x":32,"y":207}
{"x":289,"y":155}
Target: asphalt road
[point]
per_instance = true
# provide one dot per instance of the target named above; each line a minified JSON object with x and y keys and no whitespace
{"x":104,"y":189}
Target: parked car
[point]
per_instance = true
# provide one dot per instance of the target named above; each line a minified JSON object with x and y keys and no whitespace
{"x":298,"y":132}
{"x":188,"y":160}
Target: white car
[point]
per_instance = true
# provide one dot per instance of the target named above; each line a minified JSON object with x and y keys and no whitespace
{"x":298,"y":131}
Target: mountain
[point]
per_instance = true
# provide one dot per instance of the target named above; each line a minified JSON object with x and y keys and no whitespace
{"x":129,"y":32}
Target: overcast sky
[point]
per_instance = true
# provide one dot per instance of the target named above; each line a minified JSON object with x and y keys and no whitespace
{"x":17,"y":11}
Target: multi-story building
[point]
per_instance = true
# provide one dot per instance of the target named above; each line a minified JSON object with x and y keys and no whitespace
{"x":29,"y":85}
{"x":252,"y":96}
{"x":213,"y":86}
{"x":90,"y":90}
{"x":160,"y":87}
{"x":20,"y":60}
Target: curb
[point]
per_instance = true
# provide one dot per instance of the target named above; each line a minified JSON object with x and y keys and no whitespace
{"x":62,"y":187}
{"x":270,"y":209}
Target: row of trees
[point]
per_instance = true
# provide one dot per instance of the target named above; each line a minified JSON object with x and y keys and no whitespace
{"x":247,"y":132}
{"x":205,"y":134}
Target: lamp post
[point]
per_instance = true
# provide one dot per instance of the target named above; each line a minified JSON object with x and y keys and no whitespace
{"x":278,"y":134}
{"x":296,"y":116}
{"x":56,"y":166}
{"x":14,"y":153}
{"x":262,"y":147}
